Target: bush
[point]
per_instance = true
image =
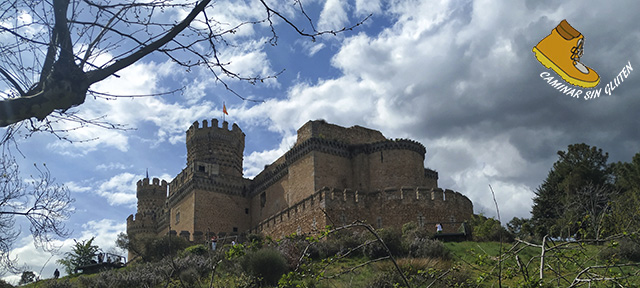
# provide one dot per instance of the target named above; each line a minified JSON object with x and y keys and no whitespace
{"x":428,"y":248}
{"x":489,"y":229}
{"x":392,"y":238}
{"x":267,"y":264}
{"x":624,"y":249}
{"x":199,"y":249}
{"x":388,"y":279}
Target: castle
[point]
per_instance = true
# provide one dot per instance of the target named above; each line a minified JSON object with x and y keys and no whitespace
{"x":332,"y":176}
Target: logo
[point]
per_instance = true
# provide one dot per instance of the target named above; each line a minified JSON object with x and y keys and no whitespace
{"x":560,"y":51}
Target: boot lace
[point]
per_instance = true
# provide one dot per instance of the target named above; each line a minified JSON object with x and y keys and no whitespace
{"x":576,"y":52}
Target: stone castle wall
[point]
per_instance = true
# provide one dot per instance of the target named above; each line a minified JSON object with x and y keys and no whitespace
{"x":210,"y":196}
{"x":391,"y":207}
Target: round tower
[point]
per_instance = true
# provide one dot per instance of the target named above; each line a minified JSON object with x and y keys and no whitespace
{"x":151,"y":197}
{"x":217,"y":146}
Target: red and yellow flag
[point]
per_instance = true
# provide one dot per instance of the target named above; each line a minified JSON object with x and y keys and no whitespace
{"x":224,"y":109}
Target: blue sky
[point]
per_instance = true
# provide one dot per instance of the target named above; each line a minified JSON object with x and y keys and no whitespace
{"x":457,"y":76}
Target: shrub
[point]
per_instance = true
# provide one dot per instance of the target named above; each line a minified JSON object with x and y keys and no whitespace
{"x":392,"y":238}
{"x":388,"y":279}
{"x":624,"y":249}
{"x":267,"y":264}
{"x":199,"y":249}
{"x":489,"y":229}
{"x":428,"y":248}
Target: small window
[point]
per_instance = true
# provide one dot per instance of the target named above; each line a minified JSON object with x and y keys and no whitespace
{"x":263,"y":199}
{"x":246,"y":210}
{"x":235,"y":229}
{"x":177,"y":217}
{"x":379,"y":222}
{"x":420,"y":221}
{"x":201,"y":168}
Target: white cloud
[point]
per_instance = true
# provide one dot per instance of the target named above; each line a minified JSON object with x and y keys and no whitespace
{"x":120,"y":189}
{"x":113,"y":166}
{"x":366,"y":7}
{"x":249,"y":60}
{"x":255,"y":162}
{"x":333,"y":15}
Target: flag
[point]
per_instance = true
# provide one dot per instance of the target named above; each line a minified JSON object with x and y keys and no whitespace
{"x":224,"y":109}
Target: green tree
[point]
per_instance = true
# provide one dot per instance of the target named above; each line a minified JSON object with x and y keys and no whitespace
{"x":81,"y":254}
{"x":579,"y":166}
{"x":27,"y":277}
{"x":625,"y":214}
{"x":150,"y":247}
{"x":488,"y":229}
{"x":521,"y":228}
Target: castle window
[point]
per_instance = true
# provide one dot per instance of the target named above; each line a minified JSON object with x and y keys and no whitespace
{"x":379,"y":222}
{"x":235,"y":229}
{"x":201,"y":168}
{"x":420,"y":221}
{"x":263,"y":199}
{"x":177,"y":217}
{"x":452,"y":219}
{"x":381,"y":157}
{"x":246,"y":210}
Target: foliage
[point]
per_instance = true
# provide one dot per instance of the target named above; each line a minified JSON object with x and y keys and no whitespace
{"x":428,"y":248}
{"x":266,"y":264}
{"x":82,"y":254}
{"x":625,"y":208}
{"x":27,"y":277}
{"x":624,"y":249}
{"x":580,"y":165}
{"x":392,"y":238}
{"x":488,"y":229}
{"x":44,"y":204}
{"x":5,"y":284}
{"x":199,"y":249}
{"x":521,"y":228}
{"x":151,"y":247}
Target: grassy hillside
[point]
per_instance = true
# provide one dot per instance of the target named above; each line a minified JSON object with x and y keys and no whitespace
{"x":327,"y":264}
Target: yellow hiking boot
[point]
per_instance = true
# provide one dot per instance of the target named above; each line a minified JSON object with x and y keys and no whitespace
{"x":561,"y":51}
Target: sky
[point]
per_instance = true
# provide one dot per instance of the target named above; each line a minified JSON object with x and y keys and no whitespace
{"x":457,"y":76}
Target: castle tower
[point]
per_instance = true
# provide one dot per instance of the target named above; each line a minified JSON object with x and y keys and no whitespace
{"x":215,"y":147}
{"x":151,"y":197}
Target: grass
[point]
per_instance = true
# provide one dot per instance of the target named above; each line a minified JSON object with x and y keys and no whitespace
{"x":471,"y":263}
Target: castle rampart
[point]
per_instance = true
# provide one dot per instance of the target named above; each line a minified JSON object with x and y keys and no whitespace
{"x":331,"y":176}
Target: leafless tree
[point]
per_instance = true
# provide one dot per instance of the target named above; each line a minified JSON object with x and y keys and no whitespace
{"x":51,"y":52}
{"x":43,"y":203}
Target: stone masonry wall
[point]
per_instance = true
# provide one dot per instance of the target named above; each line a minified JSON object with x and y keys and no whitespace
{"x":387,"y":208}
{"x":219,"y":212}
{"x":352,"y":135}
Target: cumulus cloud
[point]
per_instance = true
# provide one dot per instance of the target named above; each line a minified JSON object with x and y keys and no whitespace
{"x":333,"y":15}
{"x":118,"y":190}
{"x":460,"y":77}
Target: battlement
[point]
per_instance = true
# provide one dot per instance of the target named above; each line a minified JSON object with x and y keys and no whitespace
{"x":157,"y":188}
{"x":404,"y":194}
{"x":196,"y":128}
{"x":155,"y":182}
